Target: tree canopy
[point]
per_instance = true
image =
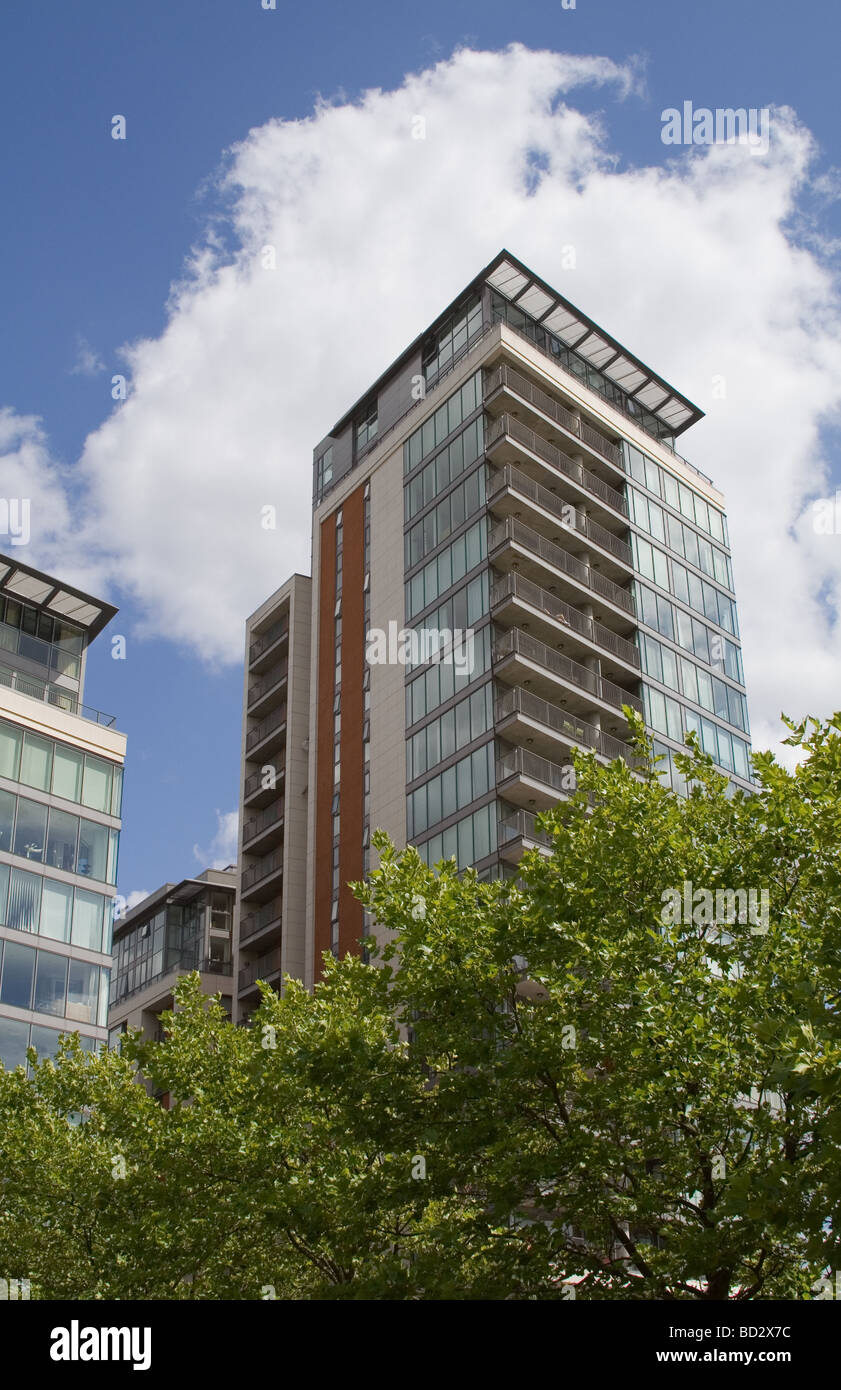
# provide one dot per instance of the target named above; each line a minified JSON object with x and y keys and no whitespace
{"x":615,"y":1077}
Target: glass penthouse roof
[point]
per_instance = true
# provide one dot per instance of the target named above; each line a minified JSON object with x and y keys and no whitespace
{"x":513,"y":280}
{"x":61,"y":600}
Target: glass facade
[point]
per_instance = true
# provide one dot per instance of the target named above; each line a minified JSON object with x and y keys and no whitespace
{"x":43,"y":834}
{"x":178,"y":937}
{"x":36,"y":636}
{"x":50,"y":766}
{"x":453,"y":338}
{"x":681,"y":612}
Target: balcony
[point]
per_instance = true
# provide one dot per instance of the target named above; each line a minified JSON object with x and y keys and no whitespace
{"x":540,"y":553}
{"x":266,"y":643}
{"x":518,"y":596}
{"x":255,"y":794}
{"x":263,"y":830}
{"x":264,"y":967}
{"x":507,"y":437}
{"x":261,"y":881}
{"x":518,"y":832}
{"x":54,"y":695}
{"x":547,"y":729}
{"x":528,"y":780}
{"x":518,"y":655}
{"x":267,"y":735}
{"x":510,"y":487}
{"x":260,"y":692}
{"x":584,"y":371}
{"x":265,"y":919}
{"x":507,"y":379}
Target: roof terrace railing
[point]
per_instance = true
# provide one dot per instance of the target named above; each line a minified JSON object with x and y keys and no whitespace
{"x":54,"y":695}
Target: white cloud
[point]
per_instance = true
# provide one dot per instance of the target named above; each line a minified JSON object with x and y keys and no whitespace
{"x":88,"y":361}
{"x":124,"y":904}
{"x":222,"y":850}
{"x":694,"y":265}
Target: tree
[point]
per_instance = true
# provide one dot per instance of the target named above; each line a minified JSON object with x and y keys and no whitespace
{"x":586,"y":1083}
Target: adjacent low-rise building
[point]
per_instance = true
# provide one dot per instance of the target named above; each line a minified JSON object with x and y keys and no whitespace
{"x":181,"y":927}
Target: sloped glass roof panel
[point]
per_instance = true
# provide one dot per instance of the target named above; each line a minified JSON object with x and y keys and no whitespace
{"x":596,"y":350}
{"x":70,"y":606}
{"x":29,"y":586}
{"x":674,"y":413}
{"x":651,"y":395}
{"x":535,"y":301}
{"x":584,"y":337}
{"x":508,"y":280}
{"x":626,"y":374}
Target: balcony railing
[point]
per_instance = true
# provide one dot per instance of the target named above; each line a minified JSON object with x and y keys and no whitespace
{"x":273,"y":721}
{"x":268,"y":639}
{"x":256,"y":921}
{"x":260,"y":969}
{"x":560,"y":559}
{"x":521,"y":826}
{"x":565,"y":356}
{"x":212,"y":966}
{"x":521,"y":762}
{"x":518,"y":701}
{"x":265,"y":683}
{"x":517,"y":481}
{"x":54,"y":695}
{"x":255,"y":781}
{"x":513,"y":642}
{"x":507,"y":425}
{"x":269,"y":865}
{"x":175,"y":968}
{"x":516,"y":586}
{"x":254,"y":827}
{"x":521,"y":386}
{"x":264,"y":820}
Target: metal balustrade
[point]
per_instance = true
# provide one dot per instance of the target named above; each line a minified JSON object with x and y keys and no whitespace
{"x":261,"y":731}
{"x":560,"y":559}
{"x":541,"y":448}
{"x":265,"y":683}
{"x":257,"y":824}
{"x":54,"y":695}
{"x":267,"y":639}
{"x":521,"y":762}
{"x":516,"y":586}
{"x":567,"y":513}
{"x":514,"y":642}
{"x":514,"y":381}
{"x":260,"y":969}
{"x":269,"y":865}
{"x":255,"y":781}
{"x":522,"y":825}
{"x":519,"y":701}
{"x":256,"y":921}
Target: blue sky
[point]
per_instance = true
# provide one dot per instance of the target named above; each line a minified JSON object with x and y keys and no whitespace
{"x":95,"y":232}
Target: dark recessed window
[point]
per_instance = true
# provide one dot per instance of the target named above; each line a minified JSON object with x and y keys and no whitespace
{"x":366,"y":426}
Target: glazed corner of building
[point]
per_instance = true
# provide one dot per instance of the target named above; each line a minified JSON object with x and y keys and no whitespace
{"x":61,"y":771}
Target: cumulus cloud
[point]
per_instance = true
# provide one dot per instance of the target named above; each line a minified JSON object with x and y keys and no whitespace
{"x":706,"y":266}
{"x":87,"y":361}
{"x":222,"y":850}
